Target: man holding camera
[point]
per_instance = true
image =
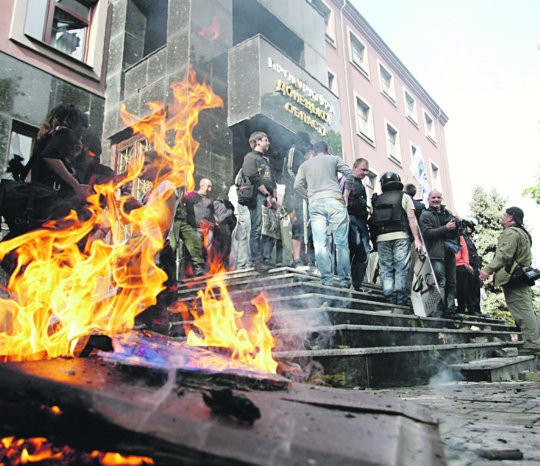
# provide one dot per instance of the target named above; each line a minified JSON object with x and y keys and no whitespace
{"x":439,"y":229}
{"x":513,"y":248}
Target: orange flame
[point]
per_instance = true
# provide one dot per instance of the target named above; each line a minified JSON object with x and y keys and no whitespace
{"x":38,"y":449}
{"x":70,"y":283}
{"x":61,"y":289}
{"x":221,"y":325}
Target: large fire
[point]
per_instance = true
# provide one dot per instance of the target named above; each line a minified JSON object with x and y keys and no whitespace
{"x":68,"y":284}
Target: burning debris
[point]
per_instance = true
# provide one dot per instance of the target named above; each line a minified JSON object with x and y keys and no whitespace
{"x":14,"y":452}
{"x":63,"y":294}
{"x":225,"y":403}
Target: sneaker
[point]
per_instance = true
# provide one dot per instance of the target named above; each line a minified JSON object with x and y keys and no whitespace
{"x":297,"y":265}
{"x":529,"y":351}
{"x":316,"y":272}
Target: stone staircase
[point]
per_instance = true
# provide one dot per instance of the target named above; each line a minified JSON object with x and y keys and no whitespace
{"x":369,"y":343}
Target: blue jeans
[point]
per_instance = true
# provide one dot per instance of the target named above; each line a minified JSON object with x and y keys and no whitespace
{"x":359,"y":249}
{"x":260,"y":245}
{"x":325,"y":212}
{"x":394,"y":261}
{"x":445,"y":272}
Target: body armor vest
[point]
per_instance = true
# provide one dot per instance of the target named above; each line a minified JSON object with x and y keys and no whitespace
{"x":388,"y":214}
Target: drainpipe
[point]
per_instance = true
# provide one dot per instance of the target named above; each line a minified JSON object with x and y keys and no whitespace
{"x":346,"y":63}
{"x":444,"y":155}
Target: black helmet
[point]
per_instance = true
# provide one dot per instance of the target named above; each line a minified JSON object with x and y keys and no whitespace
{"x":391,"y":181}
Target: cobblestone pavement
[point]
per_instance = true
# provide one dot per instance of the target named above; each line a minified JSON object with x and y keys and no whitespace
{"x":479,"y":419}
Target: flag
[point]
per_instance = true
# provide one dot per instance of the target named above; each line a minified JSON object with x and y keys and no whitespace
{"x":418,"y":169}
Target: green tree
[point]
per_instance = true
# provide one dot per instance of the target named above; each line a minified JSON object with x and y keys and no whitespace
{"x":534,"y":191}
{"x":487,"y":209}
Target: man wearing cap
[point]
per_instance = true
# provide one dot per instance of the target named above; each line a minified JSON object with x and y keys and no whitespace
{"x":514,"y":247}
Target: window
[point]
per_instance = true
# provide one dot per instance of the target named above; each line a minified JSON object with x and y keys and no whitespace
{"x":128,"y":152}
{"x":364,"y":121}
{"x":146,"y":31}
{"x":332,"y":82}
{"x":21,"y":142}
{"x":436,"y":177}
{"x":413,"y":150}
{"x":358,"y":54}
{"x":430,"y":128}
{"x":328,"y":15}
{"x":63,"y":24}
{"x":69,"y":32}
{"x":392,"y":143}
{"x":410,"y":108}
{"x":387,"y":83}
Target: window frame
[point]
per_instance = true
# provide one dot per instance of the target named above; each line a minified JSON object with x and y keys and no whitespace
{"x":391,"y":94}
{"x":92,"y":65}
{"x":369,"y":138}
{"x":430,"y":133}
{"x":397,"y":157}
{"x":23,"y":129}
{"x":364,"y":66}
{"x":436,"y":177}
{"x":333,"y":83}
{"x":412,"y":116}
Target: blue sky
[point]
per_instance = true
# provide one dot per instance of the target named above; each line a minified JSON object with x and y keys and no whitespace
{"x":480,"y":61}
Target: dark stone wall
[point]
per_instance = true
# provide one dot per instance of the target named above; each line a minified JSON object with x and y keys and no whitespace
{"x":193,"y":30}
{"x":28,"y":93}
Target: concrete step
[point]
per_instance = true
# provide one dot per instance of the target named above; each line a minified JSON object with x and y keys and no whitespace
{"x":497,"y":369}
{"x":368,"y":336}
{"x":394,"y":366}
{"x":375,"y":344}
{"x":335,"y":315}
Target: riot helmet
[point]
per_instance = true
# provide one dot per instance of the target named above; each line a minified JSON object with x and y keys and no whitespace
{"x":391,"y":181}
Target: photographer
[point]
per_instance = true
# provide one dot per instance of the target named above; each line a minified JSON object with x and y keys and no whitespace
{"x":513,"y":248}
{"x":439,"y":228}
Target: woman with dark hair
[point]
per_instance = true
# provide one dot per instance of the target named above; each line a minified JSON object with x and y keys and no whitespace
{"x":57,"y":143}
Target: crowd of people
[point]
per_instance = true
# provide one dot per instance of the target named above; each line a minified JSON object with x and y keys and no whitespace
{"x":331,"y":215}
{"x":335,"y":227}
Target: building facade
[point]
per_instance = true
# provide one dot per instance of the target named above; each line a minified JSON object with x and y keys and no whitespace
{"x":280,"y":67}
{"x":387,"y":116}
{"x":51,"y":52}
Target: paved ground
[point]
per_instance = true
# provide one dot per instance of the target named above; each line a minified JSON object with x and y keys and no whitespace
{"x":490,"y":417}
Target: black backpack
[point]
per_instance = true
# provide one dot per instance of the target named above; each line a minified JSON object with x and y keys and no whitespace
{"x":247,"y":193}
{"x":25,"y":206}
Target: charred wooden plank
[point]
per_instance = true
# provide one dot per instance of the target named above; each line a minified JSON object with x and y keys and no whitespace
{"x":116,"y":411}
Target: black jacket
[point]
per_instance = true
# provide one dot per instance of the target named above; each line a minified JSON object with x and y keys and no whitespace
{"x":257,"y":168}
{"x":434,"y":231}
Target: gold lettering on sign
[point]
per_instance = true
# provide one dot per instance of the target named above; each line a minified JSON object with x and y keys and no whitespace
{"x":302,"y":116}
{"x":289,"y":91}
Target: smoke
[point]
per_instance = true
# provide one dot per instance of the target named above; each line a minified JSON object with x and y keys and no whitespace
{"x":446,"y":376}
{"x":299,"y":325}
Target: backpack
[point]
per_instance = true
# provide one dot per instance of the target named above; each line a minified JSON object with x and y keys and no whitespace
{"x":25,"y":206}
{"x":247,"y":193}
